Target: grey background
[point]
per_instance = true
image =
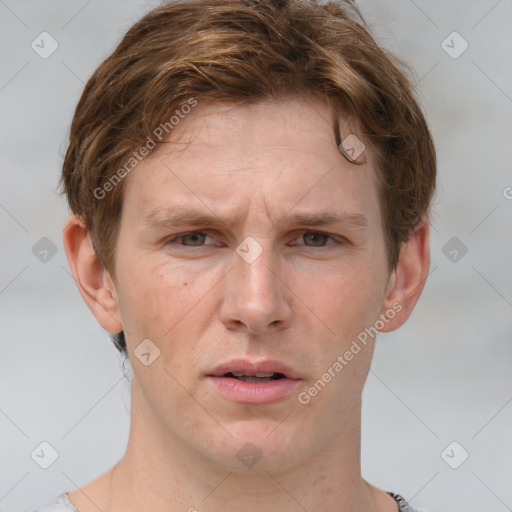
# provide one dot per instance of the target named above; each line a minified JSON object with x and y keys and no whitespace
{"x":443,"y":377}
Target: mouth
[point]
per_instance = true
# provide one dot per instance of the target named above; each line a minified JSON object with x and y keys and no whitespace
{"x":257,"y":377}
{"x":261,"y":371}
{"x":246,"y":382}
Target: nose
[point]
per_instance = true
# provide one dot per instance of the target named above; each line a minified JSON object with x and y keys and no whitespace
{"x":256,"y":299}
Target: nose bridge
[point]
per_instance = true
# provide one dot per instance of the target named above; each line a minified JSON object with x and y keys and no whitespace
{"x":254,"y":297}
{"x":253,"y":265}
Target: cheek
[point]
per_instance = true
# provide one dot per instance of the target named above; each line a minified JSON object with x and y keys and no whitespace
{"x":347,"y":303}
{"x":169,"y":304}
{"x":155,"y":298}
{"x":346,"y":300}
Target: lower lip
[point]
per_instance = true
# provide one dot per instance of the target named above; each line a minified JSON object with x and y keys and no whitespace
{"x":254,"y":392}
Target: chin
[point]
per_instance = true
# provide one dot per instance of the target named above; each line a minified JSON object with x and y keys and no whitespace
{"x":258,"y":445}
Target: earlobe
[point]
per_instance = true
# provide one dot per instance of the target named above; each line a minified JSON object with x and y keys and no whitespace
{"x":92,"y":279}
{"x":408,"y":278}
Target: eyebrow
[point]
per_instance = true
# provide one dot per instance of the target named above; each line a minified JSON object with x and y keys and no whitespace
{"x":326,"y":217}
{"x":172,"y":217}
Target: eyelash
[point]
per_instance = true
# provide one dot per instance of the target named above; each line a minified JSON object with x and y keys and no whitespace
{"x":337,"y":241}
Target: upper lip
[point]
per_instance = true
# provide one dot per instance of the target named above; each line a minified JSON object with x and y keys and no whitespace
{"x":252,"y":367}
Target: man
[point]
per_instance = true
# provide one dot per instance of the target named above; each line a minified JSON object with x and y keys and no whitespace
{"x":250,"y":184}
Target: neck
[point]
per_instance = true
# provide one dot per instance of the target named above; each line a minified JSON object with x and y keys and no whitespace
{"x":159,"y":473}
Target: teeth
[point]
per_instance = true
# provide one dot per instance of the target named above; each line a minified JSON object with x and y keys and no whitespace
{"x":255,"y":379}
{"x":240,"y":374}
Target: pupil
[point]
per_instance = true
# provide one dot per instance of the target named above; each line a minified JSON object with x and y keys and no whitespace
{"x":195,"y":237}
{"x":313,"y":235}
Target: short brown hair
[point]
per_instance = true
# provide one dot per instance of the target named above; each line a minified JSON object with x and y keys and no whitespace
{"x":243,"y":51}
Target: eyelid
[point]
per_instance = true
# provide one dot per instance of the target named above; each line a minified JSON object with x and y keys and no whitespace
{"x":337,"y":239}
{"x":193,"y":232}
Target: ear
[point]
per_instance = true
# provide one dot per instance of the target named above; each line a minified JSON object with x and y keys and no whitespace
{"x":407,"y":279}
{"x":93,"y":281}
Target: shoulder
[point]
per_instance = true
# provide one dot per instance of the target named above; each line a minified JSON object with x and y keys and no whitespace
{"x":403,"y":506}
{"x":61,"y":504}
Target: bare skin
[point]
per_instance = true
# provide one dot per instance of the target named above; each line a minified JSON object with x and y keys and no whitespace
{"x":303,"y":301}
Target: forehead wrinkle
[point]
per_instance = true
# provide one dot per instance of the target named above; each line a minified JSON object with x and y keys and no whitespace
{"x":319,"y":218}
{"x":171,"y":216}
{"x":174,"y":215}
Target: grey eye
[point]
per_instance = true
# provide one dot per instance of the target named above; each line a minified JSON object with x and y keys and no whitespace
{"x":195,"y":239}
{"x":316,"y":239}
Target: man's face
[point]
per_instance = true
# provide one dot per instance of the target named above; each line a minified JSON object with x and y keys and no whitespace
{"x":295,"y":292}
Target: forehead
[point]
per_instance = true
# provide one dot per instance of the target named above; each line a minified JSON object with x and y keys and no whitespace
{"x":277,"y":154}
